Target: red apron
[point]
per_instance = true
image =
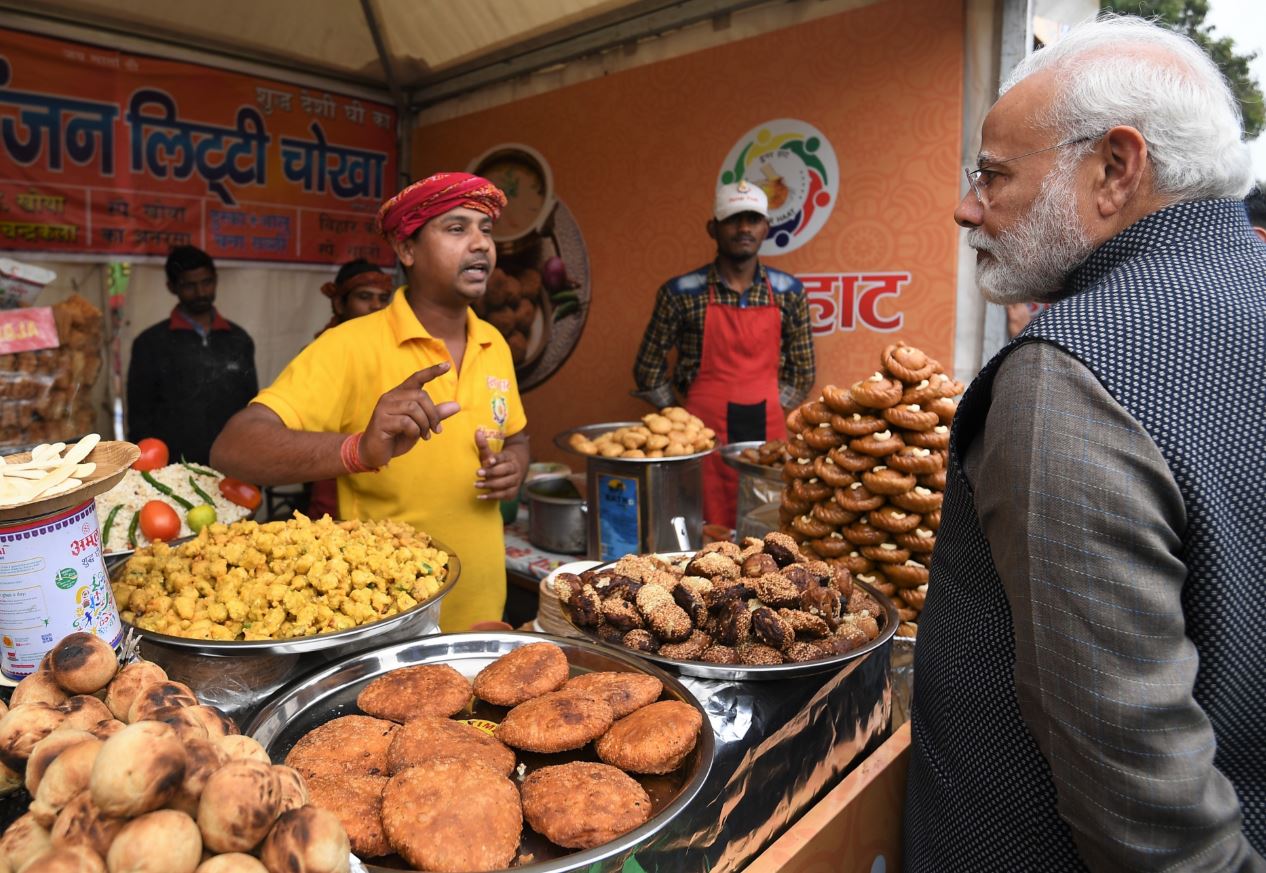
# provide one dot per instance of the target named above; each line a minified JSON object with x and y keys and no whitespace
{"x":736,"y":392}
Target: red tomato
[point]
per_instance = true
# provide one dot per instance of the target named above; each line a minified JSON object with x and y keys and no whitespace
{"x":242,"y":493}
{"x":153,"y":455}
{"x":159,"y":521}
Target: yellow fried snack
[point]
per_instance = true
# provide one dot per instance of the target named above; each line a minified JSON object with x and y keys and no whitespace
{"x":281,"y":579}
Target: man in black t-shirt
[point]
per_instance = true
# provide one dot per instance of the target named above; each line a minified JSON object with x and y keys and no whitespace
{"x":189,"y":374}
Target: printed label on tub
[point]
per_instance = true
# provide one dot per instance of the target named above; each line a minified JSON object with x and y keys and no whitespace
{"x":53,"y":582}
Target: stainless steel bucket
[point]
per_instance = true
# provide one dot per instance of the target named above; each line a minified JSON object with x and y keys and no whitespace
{"x":556,"y":513}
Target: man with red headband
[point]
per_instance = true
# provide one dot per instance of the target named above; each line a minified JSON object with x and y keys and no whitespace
{"x":414,"y":408}
{"x":359,"y":288}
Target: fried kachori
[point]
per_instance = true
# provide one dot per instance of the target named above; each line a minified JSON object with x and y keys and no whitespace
{"x":655,"y":739}
{"x":625,"y":692}
{"x":357,"y":801}
{"x":451,"y":815}
{"x":429,"y":737}
{"x":528,"y":671}
{"x":353,"y":744}
{"x":408,"y":692}
{"x":555,"y":722}
{"x":581,"y":805}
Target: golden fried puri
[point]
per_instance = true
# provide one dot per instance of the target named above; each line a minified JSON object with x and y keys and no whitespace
{"x":403,"y":694}
{"x":625,"y":692}
{"x":527,"y":672}
{"x":357,"y":801}
{"x":555,"y":722}
{"x":453,"y":816}
{"x":582,"y":805}
{"x":355,"y":744}
{"x":429,"y":737}
{"x":655,"y":739}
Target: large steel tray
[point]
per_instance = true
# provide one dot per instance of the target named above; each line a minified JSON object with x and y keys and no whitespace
{"x":593,"y":431}
{"x":332,"y":692}
{"x":757,"y":672}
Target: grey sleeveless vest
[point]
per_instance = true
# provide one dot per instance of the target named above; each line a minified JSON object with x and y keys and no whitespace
{"x":1170,"y":315}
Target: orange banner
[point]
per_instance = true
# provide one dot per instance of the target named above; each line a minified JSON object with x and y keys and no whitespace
{"x":123,"y":154}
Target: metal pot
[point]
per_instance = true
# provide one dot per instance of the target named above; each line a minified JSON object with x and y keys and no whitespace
{"x":556,"y":513}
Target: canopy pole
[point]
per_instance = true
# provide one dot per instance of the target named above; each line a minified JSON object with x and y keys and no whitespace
{"x":404,"y":114}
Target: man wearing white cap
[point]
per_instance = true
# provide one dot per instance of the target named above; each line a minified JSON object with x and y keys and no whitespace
{"x":743,"y":340}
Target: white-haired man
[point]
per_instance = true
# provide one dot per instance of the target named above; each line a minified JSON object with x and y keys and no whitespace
{"x":1090,"y":690}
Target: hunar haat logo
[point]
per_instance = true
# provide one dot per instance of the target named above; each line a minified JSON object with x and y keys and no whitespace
{"x":843,"y":302}
{"x":795,"y":166}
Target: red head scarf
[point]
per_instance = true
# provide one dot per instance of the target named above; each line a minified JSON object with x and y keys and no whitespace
{"x":401,"y":216}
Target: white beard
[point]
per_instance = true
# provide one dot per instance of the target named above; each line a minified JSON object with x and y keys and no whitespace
{"x":1032,"y":259}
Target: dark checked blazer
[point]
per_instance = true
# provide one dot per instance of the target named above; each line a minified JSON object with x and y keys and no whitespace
{"x":1090,"y":676}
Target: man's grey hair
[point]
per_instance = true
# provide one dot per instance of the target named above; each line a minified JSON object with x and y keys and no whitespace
{"x":1123,"y":70}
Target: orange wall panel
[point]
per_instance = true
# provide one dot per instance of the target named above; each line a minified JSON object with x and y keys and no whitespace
{"x":636,"y":155}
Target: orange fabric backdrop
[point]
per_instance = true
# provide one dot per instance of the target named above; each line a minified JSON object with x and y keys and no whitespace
{"x":635,"y":156}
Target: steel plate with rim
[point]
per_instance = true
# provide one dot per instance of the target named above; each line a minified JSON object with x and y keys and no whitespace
{"x":331,"y":693}
{"x":593,"y":431}
{"x":757,"y":672}
{"x":300,"y":645}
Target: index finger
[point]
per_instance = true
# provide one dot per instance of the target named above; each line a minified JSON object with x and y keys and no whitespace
{"x":421,"y":377}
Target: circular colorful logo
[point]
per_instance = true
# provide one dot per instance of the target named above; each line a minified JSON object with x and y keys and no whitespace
{"x":795,"y":165}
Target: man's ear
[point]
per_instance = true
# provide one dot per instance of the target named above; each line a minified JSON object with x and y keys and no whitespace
{"x":712,"y":228}
{"x":1261,"y":233}
{"x":1121,"y":169}
{"x":404,"y":250}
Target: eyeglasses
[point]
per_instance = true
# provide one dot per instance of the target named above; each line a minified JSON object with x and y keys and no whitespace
{"x":979,"y":179}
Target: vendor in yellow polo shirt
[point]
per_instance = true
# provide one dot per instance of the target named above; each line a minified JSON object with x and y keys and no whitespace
{"x":352,"y":405}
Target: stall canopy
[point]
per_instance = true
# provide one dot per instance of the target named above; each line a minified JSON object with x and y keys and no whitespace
{"x":420,"y":52}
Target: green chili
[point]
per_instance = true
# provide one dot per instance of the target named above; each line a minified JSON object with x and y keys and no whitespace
{"x":131,"y":529}
{"x":105,"y":531}
{"x":201,"y":494}
{"x":163,"y":489}
{"x":199,"y":470}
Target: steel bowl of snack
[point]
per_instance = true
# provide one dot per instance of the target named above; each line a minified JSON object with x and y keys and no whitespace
{"x":486,"y":751}
{"x":757,"y":611}
{"x":242,"y":608}
{"x":672,"y":434}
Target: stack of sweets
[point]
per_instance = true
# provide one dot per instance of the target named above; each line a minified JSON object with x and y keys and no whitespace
{"x":867,"y":474}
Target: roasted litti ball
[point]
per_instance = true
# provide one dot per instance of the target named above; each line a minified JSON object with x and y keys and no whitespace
{"x":39,"y":687}
{"x":187,"y":726}
{"x":46,"y":750}
{"x":233,"y":862}
{"x":24,"y":841}
{"x":243,"y":748}
{"x":202,"y":758}
{"x":216,"y":722}
{"x":138,"y":769}
{"x":307,"y":840}
{"x":83,"y":712}
{"x":83,"y":663}
{"x":163,"y":841}
{"x":66,"y":777}
{"x":9,"y":780}
{"x":159,"y":695}
{"x":294,"y":791}
{"x":103,"y":730}
{"x":23,"y":727}
{"x":238,"y":806}
{"x":67,"y":859}
{"x":128,"y":683}
{"x":80,"y":823}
